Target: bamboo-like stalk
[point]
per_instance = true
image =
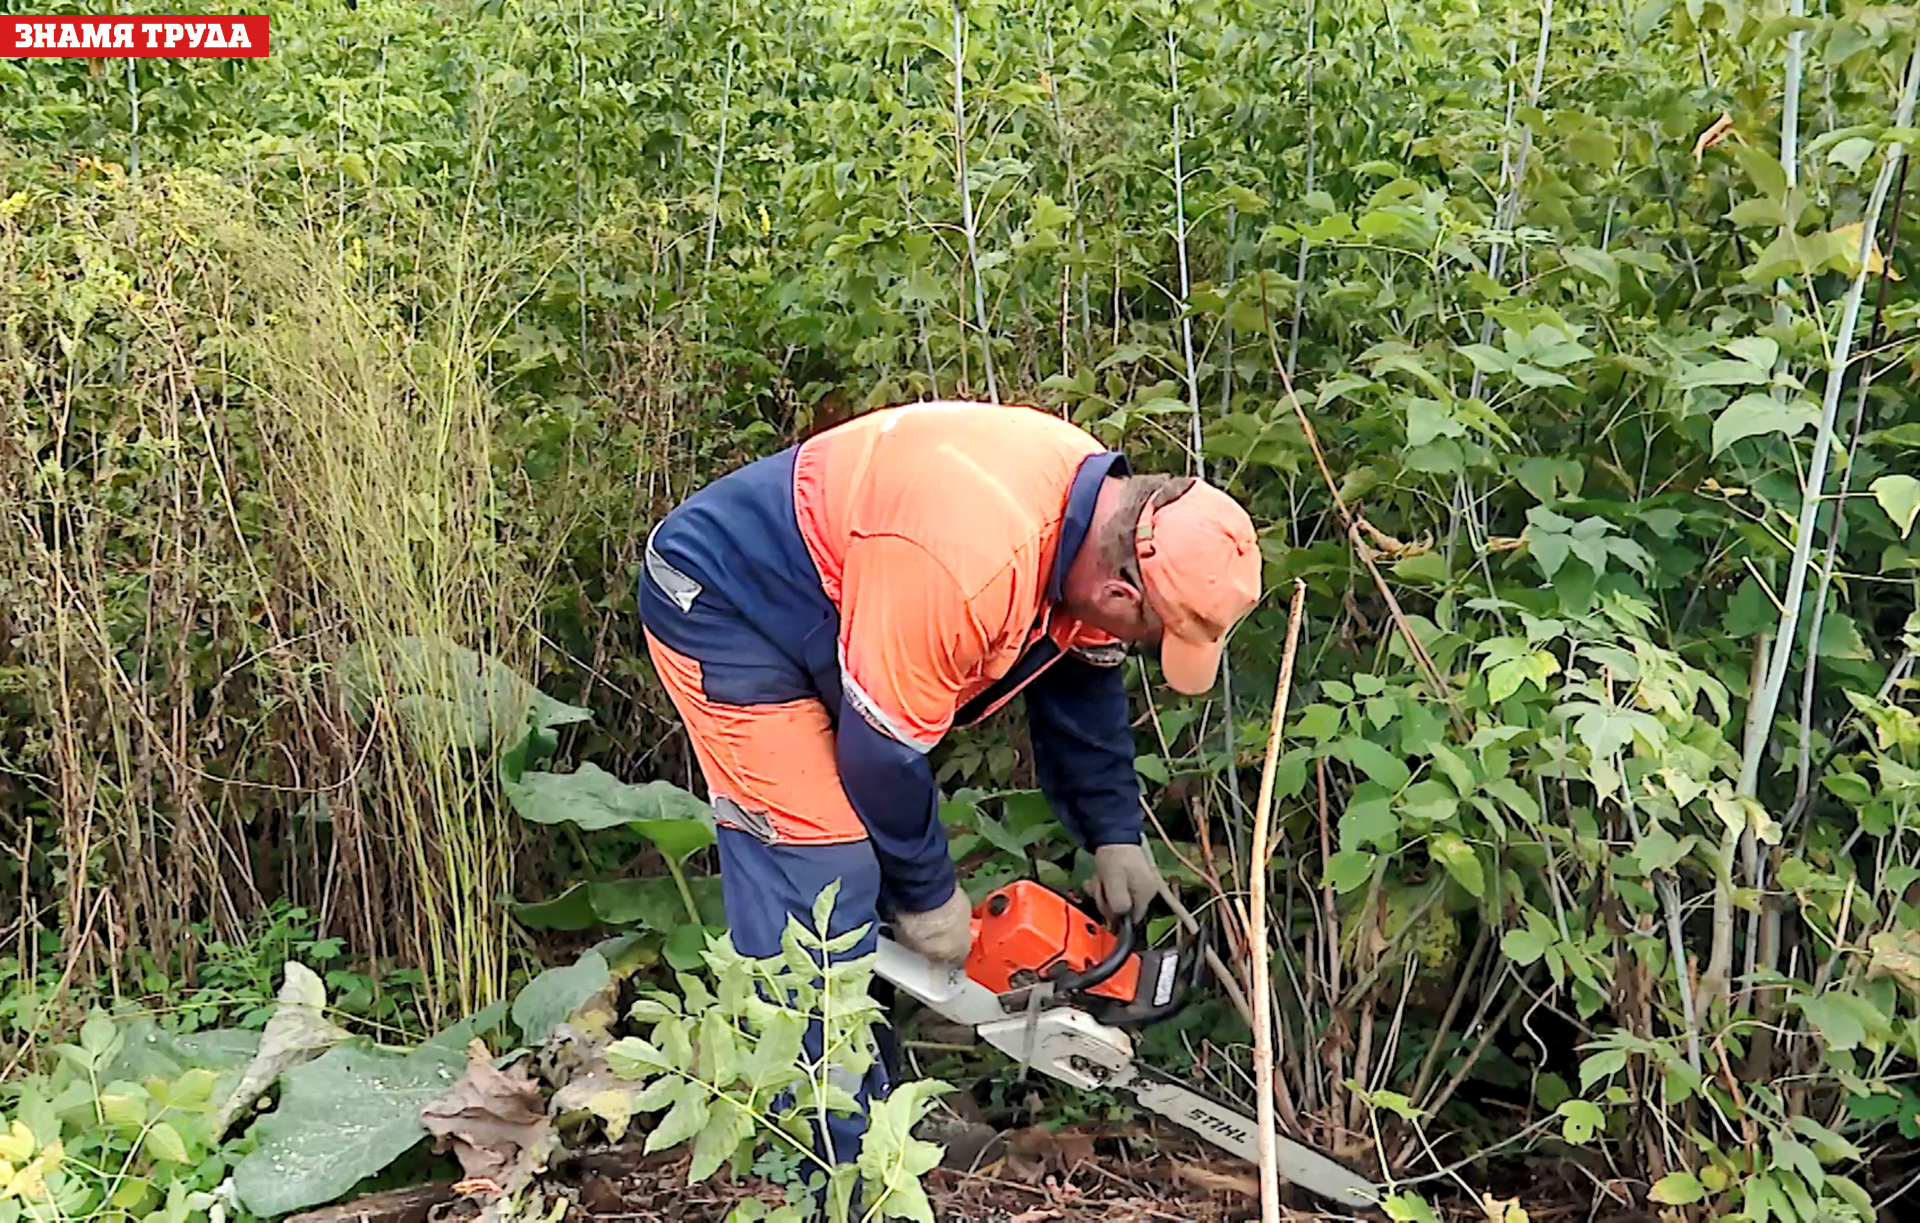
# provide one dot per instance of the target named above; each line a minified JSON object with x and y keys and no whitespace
{"x":1760,"y":713}
{"x":1261,"y":977}
{"x":1766,"y":697}
{"x":1180,"y":249}
{"x":1300,"y":261}
{"x":966,"y":196}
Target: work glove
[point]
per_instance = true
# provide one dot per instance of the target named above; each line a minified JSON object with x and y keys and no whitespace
{"x":944,"y":935}
{"x":1124,"y":881}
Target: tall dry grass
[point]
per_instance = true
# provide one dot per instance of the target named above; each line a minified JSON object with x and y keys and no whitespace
{"x":255,"y":524}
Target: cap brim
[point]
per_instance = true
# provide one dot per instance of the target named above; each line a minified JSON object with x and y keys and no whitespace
{"x":1189,"y":666}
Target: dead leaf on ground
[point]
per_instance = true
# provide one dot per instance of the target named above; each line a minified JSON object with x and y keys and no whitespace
{"x":1039,"y":1214}
{"x":297,"y":1032}
{"x":1720,"y":130}
{"x":1215,"y":1180}
{"x":495,"y":1122}
{"x":1034,"y":1153}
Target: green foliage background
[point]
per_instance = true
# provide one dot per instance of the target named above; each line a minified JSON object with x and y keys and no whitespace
{"x":1565,"y":354}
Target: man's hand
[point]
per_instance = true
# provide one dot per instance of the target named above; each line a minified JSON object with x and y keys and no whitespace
{"x":1124,"y":881}
{"x":944,"y":934}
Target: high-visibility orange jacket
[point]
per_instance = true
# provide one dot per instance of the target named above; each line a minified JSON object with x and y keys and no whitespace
{"x":905,"y":569}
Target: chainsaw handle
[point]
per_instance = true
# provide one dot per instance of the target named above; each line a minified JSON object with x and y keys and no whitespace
{"x":1097,"y":974}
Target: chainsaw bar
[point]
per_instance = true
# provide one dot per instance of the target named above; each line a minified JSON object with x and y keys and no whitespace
{"x":1226,"y":1127}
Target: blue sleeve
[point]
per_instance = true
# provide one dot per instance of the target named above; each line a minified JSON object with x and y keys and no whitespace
{"x":892,"y":789}
{"x":1083,"y":750}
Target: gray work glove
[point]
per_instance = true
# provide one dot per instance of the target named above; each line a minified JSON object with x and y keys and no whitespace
{"x":1124,"y":881}
{"x":943,"y":935}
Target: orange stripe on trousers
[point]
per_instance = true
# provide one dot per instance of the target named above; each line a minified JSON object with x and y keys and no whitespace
{"x":776,"y":760}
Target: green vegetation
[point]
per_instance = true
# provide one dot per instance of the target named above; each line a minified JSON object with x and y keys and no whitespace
{"x":339,"y":389}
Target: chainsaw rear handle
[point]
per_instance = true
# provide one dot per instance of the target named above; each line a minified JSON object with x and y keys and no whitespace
{"x":1069,"y":983}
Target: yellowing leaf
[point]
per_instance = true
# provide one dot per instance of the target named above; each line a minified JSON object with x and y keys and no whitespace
{"x":1677,"y":1189}
{"x":1503,"y":1210}
{"x":1876,"y":264}
{"x":31,"y":1181}
{"x":1896,"y":954}
{"x":1899,"y":496}
{"x":17,"y":1143}
{"x":165,"y":1144}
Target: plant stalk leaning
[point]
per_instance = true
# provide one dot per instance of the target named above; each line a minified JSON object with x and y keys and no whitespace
{"x":1257,"y":942}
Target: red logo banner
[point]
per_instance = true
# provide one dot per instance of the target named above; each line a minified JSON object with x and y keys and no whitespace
{"x":174,"y":35}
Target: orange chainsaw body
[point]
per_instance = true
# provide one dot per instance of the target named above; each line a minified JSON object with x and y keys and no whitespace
{"x":1026,"y":933}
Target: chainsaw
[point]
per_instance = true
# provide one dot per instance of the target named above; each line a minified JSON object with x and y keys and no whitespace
{"x":1060,"y":993}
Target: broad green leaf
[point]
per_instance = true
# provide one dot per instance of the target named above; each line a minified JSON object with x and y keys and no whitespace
{"x":1504,"y":679}
{"x":1677,"y":1189}
{"x":1486,"y":358}
{"x":1899,"y":496}
{"x":687,"y":1117}
{"x":1517,"y":800}
{"x":1658,"y":850}
{"x":126,"y":1110}
{"x":1455,"y":766}
{"x":1375,"y":761}
{"x":1408,"y":1208}
{"x":1523,"y":946}
{"x":728,"y":1125}
{"x":1829,"y":1146}
{"x":633,"y":1058}
{"x":341,"y":1118}
{"x":1549,"y":550}
{"x":1752,"y":415}
{"x":685,"y":945}
{"x":1799,"y":1157}
{"x":594,"y":799}
{"x":1580,"y":1120}
{"x":1851,"y":153}
{"x":1370,"y":821}
{"x":447,"y":695}
{"x":548,"y":999}
{"x":1427,"y":420}
{"x":1845,"y":1021}
{"x":1602,"y":1064}
{"x":1317,"y":721}
{"x":570,"y":910}
{"x":163,"y":1142}
{"x":1726,"y":373}
{"x":655,"y":904}
{"x":1596,"y":263}
{"x":1348,"y":869}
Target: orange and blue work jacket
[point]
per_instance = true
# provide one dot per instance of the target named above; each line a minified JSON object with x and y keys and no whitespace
{"x":905,"y":569}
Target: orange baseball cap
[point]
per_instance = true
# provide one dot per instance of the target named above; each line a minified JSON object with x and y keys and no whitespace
{"x":1200,"y":563}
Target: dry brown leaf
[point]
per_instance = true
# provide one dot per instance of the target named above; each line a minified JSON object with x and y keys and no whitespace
{"x":1039,"y":1214}
{"x":1721,"y":129}
{"x":1213,"y":1180}
{"x":495,"y":1122}
{"x":1034,"y":1153}
{"x":1392,"y":548}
